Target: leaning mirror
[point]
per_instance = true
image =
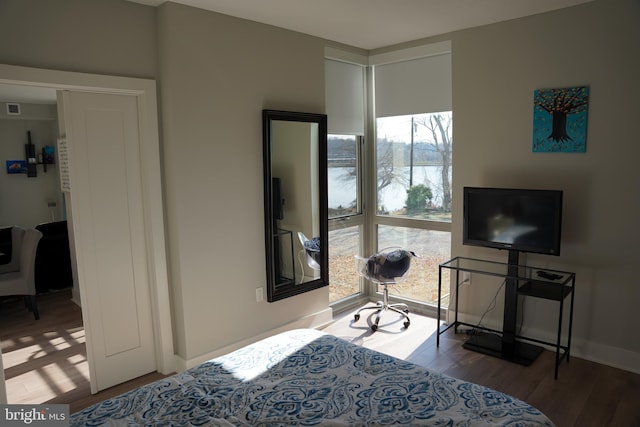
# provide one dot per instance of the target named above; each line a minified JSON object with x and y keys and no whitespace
{"x":295,"y":201}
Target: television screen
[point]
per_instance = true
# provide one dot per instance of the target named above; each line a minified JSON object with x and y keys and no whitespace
{"x":514,"y":219}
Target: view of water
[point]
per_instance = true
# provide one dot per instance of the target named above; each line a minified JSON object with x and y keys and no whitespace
{"x":342,"y":187}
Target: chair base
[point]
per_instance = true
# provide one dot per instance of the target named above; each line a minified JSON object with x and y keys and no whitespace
{"x":383,"y":306}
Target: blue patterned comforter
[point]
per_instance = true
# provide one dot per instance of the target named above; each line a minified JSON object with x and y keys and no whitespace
{"x":306,"y":377}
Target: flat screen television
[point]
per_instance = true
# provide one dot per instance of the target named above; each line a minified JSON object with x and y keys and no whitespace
{"x":513,"y":219}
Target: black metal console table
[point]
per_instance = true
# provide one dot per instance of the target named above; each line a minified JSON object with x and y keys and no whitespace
{"x":523,"y":280}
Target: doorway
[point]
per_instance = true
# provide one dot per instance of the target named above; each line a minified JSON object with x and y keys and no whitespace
{"x":144,"y":93}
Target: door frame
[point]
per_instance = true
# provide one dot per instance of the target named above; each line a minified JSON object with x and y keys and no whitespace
{"x":145,"y":92}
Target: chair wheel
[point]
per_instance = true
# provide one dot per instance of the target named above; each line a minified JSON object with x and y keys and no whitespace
{"x":406,"y":324}
{"x":356,"y":317}
{"x":374,"y":327}
{"x":406,"y":310}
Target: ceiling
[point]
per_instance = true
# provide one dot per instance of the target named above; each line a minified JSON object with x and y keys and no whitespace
{"x":366,"y":24}
{"x":372,"y":24}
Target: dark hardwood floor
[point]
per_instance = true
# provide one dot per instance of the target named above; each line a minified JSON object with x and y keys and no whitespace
{"x":45,"y":362}
{"x":585,"y":393}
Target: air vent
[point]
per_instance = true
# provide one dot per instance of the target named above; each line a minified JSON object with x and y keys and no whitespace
{"x":13,"y":109}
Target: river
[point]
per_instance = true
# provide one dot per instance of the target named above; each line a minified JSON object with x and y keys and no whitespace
{"x":342,"y":187}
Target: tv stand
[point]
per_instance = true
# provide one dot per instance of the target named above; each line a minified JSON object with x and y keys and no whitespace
{"x":519,"y":280}
{"x":519,"y":352}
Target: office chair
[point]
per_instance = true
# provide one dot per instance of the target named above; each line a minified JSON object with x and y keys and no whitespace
{"x":311,"y":249}
{"x":17,"y":234}
{"x":22,"y":282}
{"x":385,"y":268}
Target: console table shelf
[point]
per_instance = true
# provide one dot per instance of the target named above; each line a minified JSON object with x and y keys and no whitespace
{"x":538,"y":289}
{"x":521,"y":280}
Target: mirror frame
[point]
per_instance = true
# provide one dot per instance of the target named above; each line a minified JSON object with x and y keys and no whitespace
{"x":288,"y":290}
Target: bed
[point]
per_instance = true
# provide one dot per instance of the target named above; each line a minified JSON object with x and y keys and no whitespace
{"x":306,"y":377}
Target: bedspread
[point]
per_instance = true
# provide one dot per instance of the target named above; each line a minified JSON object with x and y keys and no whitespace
{"x":306,"y":377}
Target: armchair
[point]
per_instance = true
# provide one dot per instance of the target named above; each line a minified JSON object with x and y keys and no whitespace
{"x":22,"y":282}
{"x":17,"y":234}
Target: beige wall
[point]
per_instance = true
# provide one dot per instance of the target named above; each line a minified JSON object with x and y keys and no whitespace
{"x":114,"y":37}
{"x":496,"y":68}
{"x":217,"y":73}
{"x":25,"y":200}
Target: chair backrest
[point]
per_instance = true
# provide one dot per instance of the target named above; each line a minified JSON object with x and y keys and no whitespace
{"x":311,"y":250}
{"x":17,"y":235}
{"x":302,"y":238}
{"x":388,"y":266}
{"x":28,"y":258}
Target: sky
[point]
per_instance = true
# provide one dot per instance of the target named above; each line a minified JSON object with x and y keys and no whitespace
{"x":398,"y":129}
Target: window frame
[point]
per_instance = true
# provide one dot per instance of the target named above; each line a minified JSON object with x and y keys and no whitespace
{"x":422,"y":307}
{"x":351,"y":220}
{"x":375,"y":219}
{"x":368,"y":218}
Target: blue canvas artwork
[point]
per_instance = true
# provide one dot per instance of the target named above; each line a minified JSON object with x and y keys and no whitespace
{"x":16,"y":166}
{"x":560,"y":119}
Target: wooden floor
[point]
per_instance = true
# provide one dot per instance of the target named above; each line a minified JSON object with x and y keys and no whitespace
{"x":45,"y":362}
{"x":585,"y":393}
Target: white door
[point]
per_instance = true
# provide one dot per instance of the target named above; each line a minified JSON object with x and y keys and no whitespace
{"x":103,"y":137}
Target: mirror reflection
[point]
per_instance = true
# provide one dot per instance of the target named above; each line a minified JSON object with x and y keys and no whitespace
{"x":295,"y":202}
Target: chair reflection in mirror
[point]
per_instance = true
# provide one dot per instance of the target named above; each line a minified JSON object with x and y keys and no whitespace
{"x":311,"y":251}
{"x":385,"y":268}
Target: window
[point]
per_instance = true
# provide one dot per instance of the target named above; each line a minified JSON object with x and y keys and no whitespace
{"x":404,"y":198}
{"x":433,"y":247}
{"x":345,"y":214}
{"x":413,"y":164}
{"x":414,"y":184}
{"x":345,"y":98}
{"x":344,"y":243}
{"x":342,"y":175}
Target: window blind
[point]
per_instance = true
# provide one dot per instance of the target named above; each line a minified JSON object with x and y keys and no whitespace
{"x":345,"y":89}
{"x":421,"y":85}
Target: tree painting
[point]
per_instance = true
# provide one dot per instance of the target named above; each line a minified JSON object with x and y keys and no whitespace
{"x":560,"y":119}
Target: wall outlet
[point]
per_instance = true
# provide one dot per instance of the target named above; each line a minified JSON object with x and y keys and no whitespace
{"x":259,"y":295}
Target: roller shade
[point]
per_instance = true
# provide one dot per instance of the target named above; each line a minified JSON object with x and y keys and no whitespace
{"x":414,"y":86}
{"x":345,"y":88}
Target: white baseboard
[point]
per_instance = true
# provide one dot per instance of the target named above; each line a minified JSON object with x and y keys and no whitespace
{"x":595,"y":352}
{"x":607,"y":355}
{"x":315,"y":320}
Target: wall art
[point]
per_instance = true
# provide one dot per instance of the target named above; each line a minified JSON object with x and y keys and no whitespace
{"x":560,"y":119}
{"x":16,"y":166}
